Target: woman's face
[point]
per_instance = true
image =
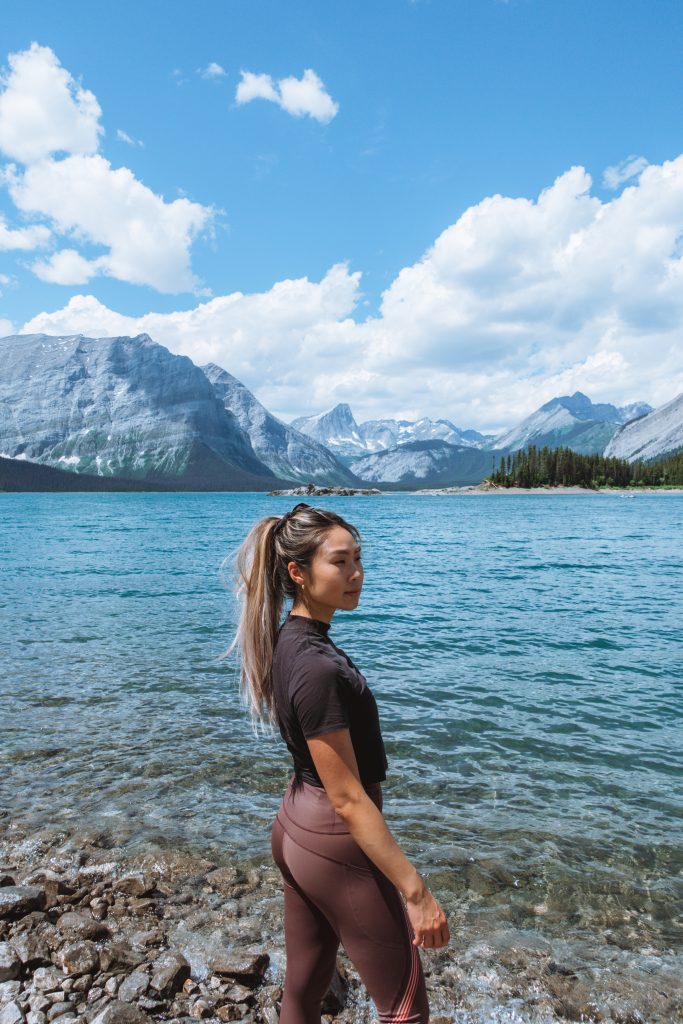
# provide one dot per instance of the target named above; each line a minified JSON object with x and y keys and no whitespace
{"x":335,"y":576}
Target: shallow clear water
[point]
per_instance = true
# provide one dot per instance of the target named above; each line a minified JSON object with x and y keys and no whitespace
{"x":525,"y":652}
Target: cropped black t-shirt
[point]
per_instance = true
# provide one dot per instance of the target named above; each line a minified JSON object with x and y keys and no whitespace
{"x":318,"y":689}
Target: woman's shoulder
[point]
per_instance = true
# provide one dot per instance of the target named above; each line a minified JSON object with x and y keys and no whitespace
{"x":309,"y":658}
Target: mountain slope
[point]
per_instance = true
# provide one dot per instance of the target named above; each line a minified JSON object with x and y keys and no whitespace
{"x":427,"y":464}
{"x":572,"y":421}
{"x":658,"y":433}
{"x":120,"y":407}
{"x":282,"y":448}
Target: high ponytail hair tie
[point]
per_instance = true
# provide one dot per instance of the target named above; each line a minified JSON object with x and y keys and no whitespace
{"x":287,"y":515}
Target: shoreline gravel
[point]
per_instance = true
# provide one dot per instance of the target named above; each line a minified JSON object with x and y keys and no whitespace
{"x":90,"y":933}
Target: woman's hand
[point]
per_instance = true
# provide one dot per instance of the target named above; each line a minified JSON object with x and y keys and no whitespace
{"x":335,"y":762}
{"x":428,"y":921}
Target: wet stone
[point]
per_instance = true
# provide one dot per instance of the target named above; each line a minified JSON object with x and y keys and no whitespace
{"x":135,"y":884}
{"x":9,"y":990}
{"x":80,"y":957}
{"x":238,"y":994}
{"x":17,"y":900}
{"x":11,"y":1013}
{"x":47,"y":979}
{"x":119,"y":956}
{"x":82,"y":926}
{"x":121,"y":1013}
{"x":169,"y":972}
{"x":222,"y":879}
{"x":133,"y":986}
{"x":229,"y":1011}
{"x":58,"y":1010}
{"x":248,"y":970}
{"x":151,"y":1005}
{"x":31,"y":946}
{"x":10,"y":964}
{"x":148,"y":937}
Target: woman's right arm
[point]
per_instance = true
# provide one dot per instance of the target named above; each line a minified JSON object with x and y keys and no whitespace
{"x":335,"y":762}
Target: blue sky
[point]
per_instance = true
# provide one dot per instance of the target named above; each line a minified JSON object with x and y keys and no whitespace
{"x":321,"y":221}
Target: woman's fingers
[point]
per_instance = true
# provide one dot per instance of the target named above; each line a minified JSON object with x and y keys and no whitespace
{"x":429,"y":924}
{"x":435,"y":937}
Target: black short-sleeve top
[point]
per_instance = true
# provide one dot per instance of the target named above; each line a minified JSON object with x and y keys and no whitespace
{"x":318,"y":689}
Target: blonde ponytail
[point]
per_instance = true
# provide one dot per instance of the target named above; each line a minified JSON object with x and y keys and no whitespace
{"x":262,"y":584}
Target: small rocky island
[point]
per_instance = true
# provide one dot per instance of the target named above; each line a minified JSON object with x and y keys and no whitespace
{"x":317,"y":491}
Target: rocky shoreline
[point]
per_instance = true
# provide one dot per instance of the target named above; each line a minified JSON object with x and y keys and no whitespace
{"x":91,"y":934}
{"x":316,"y":491}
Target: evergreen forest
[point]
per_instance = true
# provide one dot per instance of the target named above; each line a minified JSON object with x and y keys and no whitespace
{"x":534,"y":467}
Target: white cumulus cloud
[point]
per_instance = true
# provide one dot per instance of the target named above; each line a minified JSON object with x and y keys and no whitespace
{"x":65,"y":267}
{"x":32,"y":237}
{"x":520,"y":300}
{"x":148,"y":239}
{"x":80,"y":196}
{"x":298,"y":96}
{"x":43,"y":110}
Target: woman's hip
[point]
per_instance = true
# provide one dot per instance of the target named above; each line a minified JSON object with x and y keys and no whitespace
{"x":307,"y":816}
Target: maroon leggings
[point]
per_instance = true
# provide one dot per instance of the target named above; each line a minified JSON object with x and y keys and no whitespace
{"x":333,"y":893}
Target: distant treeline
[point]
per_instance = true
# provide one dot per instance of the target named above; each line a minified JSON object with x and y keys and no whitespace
{"x":22,"y":475}
{"x":533,"y":467}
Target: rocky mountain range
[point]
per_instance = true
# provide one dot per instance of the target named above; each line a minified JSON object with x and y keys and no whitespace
{"x":572,"y":421}
{"x":128,"y":408}
{"x":338,"y":431}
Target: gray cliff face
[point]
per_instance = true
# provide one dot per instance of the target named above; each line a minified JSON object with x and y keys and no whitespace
{"x":280,"y":446}
{"x":658,"y":433}
{"x":120,"y":407}
{"x":336,"y":429}
{"x":426,"y":464}
{"x":571,"y":421}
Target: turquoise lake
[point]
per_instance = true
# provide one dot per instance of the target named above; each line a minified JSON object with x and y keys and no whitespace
{"x":525,"y":651}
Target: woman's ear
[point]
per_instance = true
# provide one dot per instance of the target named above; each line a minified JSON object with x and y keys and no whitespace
{"x":295,"y":573}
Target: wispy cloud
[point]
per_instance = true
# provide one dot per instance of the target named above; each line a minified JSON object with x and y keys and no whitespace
{"x":629,"y":168}
{"x":305,"y":96}
{"x":213,"y":71}
{"x":128,"y":139}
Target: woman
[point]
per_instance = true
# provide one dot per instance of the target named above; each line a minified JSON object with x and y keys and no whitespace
{"x":345,"y":878}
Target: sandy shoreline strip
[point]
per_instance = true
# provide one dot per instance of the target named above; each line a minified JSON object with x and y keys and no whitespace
{"x":575,"y":489}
